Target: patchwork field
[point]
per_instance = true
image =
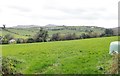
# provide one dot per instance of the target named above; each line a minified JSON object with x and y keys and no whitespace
{"x":30,"y":32}
{"x":85,"y":56}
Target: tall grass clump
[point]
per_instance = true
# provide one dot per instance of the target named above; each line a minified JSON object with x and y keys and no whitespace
{"x":115,"y":67}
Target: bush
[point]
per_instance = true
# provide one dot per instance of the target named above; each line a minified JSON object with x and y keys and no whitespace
{"x":55,"y":37}
{"x":20,"y":40}
{"x":9,"y":65}
{"x":59,"y":37}
{"x":9,"y":37}
{"x":70,"y":36}
{"x":4,"y":41}
{"x":108,"y":32}
{"x":83,"y":36}
{"x":30,"y":40}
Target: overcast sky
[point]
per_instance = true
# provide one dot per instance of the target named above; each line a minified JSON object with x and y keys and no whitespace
{"x":103,"y":13}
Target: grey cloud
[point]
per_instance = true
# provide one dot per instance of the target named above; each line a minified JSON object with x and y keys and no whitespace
{"x":92,"y":16}
{"x":68,"y":17}
{"x":81,"y":10}
{"x":75,"y":10}
{"x":19,"y":8}
{"x":67,"y":10}
{"x":77,"y":13}
{"x":65,"y":17}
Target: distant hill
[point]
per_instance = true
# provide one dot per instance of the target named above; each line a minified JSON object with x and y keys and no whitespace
{"x":25,"y":31}
{"x":31,"y":26}
{"x":52,"y":25}
{"x":25,"y":26}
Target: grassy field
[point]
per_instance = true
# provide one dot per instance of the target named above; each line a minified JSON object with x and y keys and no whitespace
{"x":62,"y":57}
{"x":22,"y":32}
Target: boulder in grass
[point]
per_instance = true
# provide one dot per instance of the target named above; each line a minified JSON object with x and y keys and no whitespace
{"x":114,"y":47}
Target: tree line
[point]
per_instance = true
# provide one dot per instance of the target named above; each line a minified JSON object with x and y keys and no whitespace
{"x":42,"y":36}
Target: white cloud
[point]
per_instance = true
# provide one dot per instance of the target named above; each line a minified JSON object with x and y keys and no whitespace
{"x":67,"y":12}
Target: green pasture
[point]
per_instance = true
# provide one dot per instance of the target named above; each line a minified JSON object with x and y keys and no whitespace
{"x":83,"y":56}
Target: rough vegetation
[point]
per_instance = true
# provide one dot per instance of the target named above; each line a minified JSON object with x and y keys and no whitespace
{"x":115,"y":66}
{"x":9,"y":65}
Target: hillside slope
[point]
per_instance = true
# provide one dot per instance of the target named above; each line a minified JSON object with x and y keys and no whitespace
{"x":31,"y":31}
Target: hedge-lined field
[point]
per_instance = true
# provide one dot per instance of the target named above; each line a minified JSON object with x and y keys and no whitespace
{"x":30,"y":32}
{"x":87,"y":56}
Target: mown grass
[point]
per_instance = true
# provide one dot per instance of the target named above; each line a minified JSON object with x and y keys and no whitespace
{"x":62,"y":57}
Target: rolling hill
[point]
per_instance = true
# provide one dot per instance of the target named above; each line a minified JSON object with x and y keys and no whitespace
{"x":29,"y":31}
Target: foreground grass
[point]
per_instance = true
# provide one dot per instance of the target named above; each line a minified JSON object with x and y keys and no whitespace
{"x":62,"y":57}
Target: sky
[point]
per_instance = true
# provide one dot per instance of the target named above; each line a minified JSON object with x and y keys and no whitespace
{"x":102,"y":13}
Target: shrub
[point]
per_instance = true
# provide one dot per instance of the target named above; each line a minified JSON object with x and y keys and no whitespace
{"x":59,"y":37}
{"x":4,"y":41}
{"x":83,"y":36}
{"x":55,"y":37}
{"x":108,"y":32}
{"x":70,"y":36}
{"x":30,"y":40}
{"x":9,"y":37}
{"x":9,"y":65}
{"x":20,"y":40}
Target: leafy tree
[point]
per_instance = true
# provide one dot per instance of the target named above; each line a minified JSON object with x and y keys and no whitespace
{"x":4,"y":41}
{"x":30,"y":40}
{"x":70,"y":36}
{"x":109,"y":32}
{"x":74,"y":36}
{"x":9,"y":36}
{"x":20,"y":40}
{"x":93,"y":34}
{"x":102,"y":34}
{"x":83,"y":36}
{"x":41,"y":36}
{"x":55,"y":37}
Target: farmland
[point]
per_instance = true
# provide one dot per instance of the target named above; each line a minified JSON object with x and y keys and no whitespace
{"x":21,"y":32}
{"x":83,"y":56}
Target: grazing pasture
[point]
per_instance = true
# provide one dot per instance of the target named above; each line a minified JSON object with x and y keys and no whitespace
{"x":85,"y":56}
